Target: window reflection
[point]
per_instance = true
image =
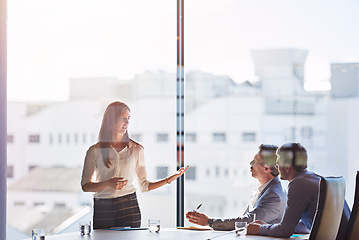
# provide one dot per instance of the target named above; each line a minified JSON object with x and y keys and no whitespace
{"x":263,"y":77}
{"x":249,"y":69}
{"x":71,"y":68}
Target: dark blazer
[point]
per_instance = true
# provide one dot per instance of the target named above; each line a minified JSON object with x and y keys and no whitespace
{"x":301,"y":207}
{"x":269,"y":207}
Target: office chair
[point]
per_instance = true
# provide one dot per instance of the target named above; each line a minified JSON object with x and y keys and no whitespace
{"x":344,"y":222}
{"x":353,"y":224}
{"x":329,"y":210}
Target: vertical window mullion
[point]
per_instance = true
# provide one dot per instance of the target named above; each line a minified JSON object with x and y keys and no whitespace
{"x":180,"y":111}
{"x":3,"y":120}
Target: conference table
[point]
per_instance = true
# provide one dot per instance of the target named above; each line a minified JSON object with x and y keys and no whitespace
{"x":164,"y":234}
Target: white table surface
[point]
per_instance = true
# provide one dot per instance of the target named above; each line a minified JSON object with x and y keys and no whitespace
{"x":164,"y":234}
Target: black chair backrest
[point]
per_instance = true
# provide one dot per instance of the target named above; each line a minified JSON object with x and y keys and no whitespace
{"x":329,"y":210}
{"x":353,"y":224}
{"x":344,"y":222}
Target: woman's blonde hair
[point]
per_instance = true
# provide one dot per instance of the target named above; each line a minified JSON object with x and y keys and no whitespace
{"x":109,"y":121}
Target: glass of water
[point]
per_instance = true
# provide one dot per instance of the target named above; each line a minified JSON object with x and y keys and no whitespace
{"x":154,"y":225}
{"x":85,"y":227}
{"x":253,"y":217}
{"x":240,"y":228}
{"x":37,"y":234}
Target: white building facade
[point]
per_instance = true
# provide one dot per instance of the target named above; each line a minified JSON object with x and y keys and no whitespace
{"x":225,"y":122}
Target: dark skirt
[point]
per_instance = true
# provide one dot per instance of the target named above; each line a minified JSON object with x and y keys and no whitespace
{"x":117,"y":212}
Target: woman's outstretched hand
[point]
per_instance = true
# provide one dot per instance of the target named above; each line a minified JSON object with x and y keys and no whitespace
{"x":162,"y":182}
{"x":177,"y":174}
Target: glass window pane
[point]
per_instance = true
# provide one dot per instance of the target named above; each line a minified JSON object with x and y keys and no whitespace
{"x":248,"y":137}
{"x":162,"y":172}
{"x":162,"y":137}
{"x":34,"y":138}
{"x":219,"y":137}
{"x":268,"y":72}
{"x":10,"y":138}
{"x":191,"y":137}
{"x":67,"y":60}
{"x":191,"y":173}
{"x":10,"y":172}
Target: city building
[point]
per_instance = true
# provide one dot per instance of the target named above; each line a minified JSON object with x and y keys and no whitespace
{"x":225,"y":122}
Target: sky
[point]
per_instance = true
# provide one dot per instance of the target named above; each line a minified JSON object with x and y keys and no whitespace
{"x":52,"y":41}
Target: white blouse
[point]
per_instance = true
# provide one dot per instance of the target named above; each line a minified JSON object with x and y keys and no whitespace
{"x":129,"y":163}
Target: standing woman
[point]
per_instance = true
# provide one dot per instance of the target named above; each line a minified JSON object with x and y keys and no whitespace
{"x":110,"y":168}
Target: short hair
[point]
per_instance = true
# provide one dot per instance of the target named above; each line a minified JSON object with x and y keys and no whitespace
{"x":294,"y":155}
{"x":269,"y":157}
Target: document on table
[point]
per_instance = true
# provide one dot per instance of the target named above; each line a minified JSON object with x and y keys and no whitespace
{"x":195,"y":228}
{"x":126,"y":228}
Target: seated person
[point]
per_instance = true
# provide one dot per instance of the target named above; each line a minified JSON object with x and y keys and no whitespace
{"x":302,"y":195}
{"x":268,"y":201}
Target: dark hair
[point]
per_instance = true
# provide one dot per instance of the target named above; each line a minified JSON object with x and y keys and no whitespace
{"x":296,"y":149}
{"x":105,"y":137}
{"x":270,"y":159}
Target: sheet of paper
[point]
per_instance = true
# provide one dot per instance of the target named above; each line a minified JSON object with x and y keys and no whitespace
{"x":195,"y":228}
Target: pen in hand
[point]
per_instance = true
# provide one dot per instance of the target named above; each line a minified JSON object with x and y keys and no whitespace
{"x":200,"y":205}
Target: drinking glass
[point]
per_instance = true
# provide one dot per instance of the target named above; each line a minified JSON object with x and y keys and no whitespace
{"x":36,"y":234}
{"x":240,"y":228}
{"x":85,"y":227}
{"x":154,"y":225}
{"x":253,"y":217}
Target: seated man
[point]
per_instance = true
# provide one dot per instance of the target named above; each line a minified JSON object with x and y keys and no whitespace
{"x":268,"y":201}
{"x":302,"y":194}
